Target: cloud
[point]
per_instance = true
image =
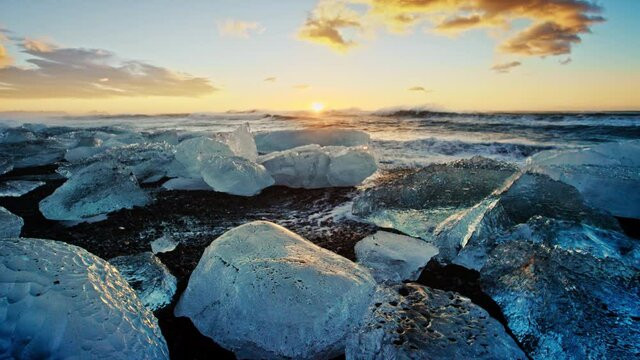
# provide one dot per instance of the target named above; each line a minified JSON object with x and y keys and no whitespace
{"x":5,"y":59}
{"x":555,"y":25}
{"x":327,"y":23}
{"x":419,"y":88}
{"x":505,"y":68}
{"x":239,"y":29}
{"x":270,"y":79}
{"x":302,"y":87}
{"x":57,"y":72}
{"x":566,"y":61}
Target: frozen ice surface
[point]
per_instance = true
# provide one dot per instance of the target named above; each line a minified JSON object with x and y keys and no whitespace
{"x":410,"y":321}
{"x":314,"y":166}
{"x":531,"y":196}
{"x":61,"y":302}
{"x":99,"y":188}
{"x":289,"y":139}
{"x":5,"y":166}
{"x":181,"y":183}
{"x":190,"y":152}
{"x":564,"y":304}
{"x":17,"y":188}
{"x":286,"y":296}
{"x":37,"y":152}
{"x":392,"y":257}
{"x":607,"y":175}
{"x":10,"y":224}
{"x":163,"y":244}
{"x":241,"y":142}
{"x":149,"y":277}
{"x":16,"y":135}
{"x":148,"y":162}
{"x":436,"y":198}
{"x":235,"y":175}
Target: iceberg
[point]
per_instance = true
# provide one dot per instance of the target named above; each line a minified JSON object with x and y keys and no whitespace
{"x":565,"y":304}
{"x":149,"y":277}
{"x":60,"y":301}
{"x":10,"y":224}
{"x":392,"y":257}
{"x":314,"y":166}
{"x":607,"y":175}
{"x":288,"y":298}
{"x":16,"y":135}
{"x":163,"y":244}
{"x":531,"y":196}
{"x":437,"y":199}
{"x":241,"y":142}
{"x":235,"y":175}
{"x":148,"y":162}
{"x":289,"y":139}
{"x":181,"y":183}
{"x":410,"y":321}
{"x":17,"y":188}
{"x":99,"y":188}
{"x":190,"y":152}
{"x":37,"y":152}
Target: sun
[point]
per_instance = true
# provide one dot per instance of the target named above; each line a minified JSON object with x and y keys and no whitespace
{"x":317,"y":107}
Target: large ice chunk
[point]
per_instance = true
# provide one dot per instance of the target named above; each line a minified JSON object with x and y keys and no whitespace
{"x":10,"y":224}
{"x":99,"y":188}
{"x":410,"y":321}
{"x":564,"y":304}
{"x":17,"y":188}
{"x":190,"y":152}
{"x":241,"y":142}
{"x":5,"y":165}
{"x":436,"y":199}
{"x":289,"y":139}
{"x":287,"y":297}
{"x":313,"y":166}
{"x":181,"y":183}
{"x":148,"y":162}
{"x":235,"y":175}
{"x":149,"y":277}
{"x":607,"y":175}
{"x":61,"y":302}
{"x":37,"y":152}
{"x":531,"y":196}
{"x":392,"y":257}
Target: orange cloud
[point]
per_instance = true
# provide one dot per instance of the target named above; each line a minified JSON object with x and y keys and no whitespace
{"x":238,"y":28}
{"x":556,"y":25}
{"x":5,"y":59}
{"x":92,"y":73}
{"x":505,"y":67}
{"x":326,"y":25}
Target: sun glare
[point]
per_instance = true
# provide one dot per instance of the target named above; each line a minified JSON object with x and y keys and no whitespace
{"x":317,"y":107}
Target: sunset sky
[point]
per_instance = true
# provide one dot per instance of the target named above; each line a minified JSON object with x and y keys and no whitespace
{"x":186,"y":56}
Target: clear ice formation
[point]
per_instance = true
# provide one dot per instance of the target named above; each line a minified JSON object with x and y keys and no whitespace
{"x":32,"y":153}
{"x":190,"y":152}
{"x":289,"y":139}
{"x":410,"y":321}
{"x":607,"y":175}
{"x":99,"y":188}
{"x":148,"y":162}
{"x":436,"y":200}
{"x":532,"y":196}
{"x":235,"y":175}
{"x":62,"y":302}
{"x":181,"y":183}
{"x":241,"y":142}
{"x":163,"y":244}
{"x":10,"y":224}
{"x":149,"y":277}
{"x":566,"y":304}
{"x":17,"y":188}
{"x":314,"y":166}
{"x":5,"y":166}
{"x":305,"y":298}
{"x":392,"y":257}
